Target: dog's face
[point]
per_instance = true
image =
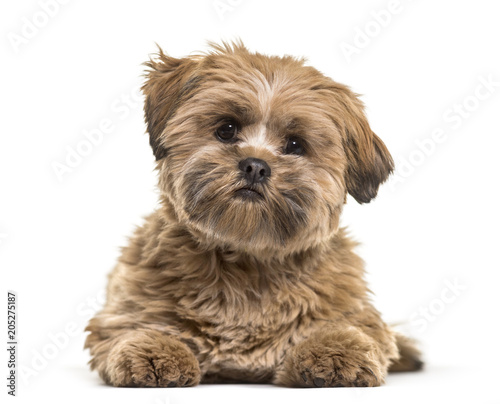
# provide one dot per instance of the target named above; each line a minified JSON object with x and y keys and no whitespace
{"x":256,"y":152}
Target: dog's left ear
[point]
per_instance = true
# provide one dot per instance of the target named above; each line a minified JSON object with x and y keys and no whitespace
{"x":369,"y":161}
{"x":168,"y":80}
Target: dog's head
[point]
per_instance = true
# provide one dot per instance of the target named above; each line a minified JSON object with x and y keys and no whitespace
{"x":257,"y":152}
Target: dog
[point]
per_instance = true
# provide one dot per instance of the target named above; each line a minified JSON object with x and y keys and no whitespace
{"x":243,"y":274}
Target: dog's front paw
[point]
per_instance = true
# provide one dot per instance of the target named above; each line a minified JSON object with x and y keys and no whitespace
{"x":151,"y":359}
{"x":332,"y":360}
{"x":327,"y":367}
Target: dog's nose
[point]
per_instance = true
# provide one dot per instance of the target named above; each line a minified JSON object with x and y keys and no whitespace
{"x":256,"y":170}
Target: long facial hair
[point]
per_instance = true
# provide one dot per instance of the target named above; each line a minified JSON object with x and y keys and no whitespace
{"x":281,"y":211}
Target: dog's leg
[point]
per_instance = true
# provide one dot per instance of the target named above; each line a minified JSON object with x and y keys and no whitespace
{"x":338,"y":356}
{"x":144,"y":358}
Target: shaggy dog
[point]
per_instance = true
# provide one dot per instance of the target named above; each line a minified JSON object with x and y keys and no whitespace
{"x":243,"y":274}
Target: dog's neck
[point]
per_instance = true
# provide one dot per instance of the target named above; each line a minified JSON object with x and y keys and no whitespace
{"x":273,"y":254}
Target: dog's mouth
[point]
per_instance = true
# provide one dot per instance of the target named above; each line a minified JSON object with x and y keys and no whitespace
{"x":248,"y":194}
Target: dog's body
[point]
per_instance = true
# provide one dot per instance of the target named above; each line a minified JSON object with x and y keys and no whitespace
{"x":242,"y":274}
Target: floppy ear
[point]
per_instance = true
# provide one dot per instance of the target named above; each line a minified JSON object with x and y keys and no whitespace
{"x":168,"y":80}
{"x":369,"y":161}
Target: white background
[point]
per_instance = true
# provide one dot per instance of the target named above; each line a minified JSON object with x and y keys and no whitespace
{"x":434,"y":224}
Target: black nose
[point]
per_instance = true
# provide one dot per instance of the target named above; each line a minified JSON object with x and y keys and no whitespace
{"x":256,"y":170}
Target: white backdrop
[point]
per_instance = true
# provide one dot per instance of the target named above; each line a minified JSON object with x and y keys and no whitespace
{"x":429,"y":73}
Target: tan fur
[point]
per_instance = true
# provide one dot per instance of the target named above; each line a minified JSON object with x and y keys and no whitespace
{"x":213,"y":288}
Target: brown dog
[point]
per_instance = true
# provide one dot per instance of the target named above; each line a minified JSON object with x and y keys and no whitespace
{"x":243,"y":273}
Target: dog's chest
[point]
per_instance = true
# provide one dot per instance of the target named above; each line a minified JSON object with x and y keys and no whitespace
{"x":244,"y":323}
{"x":249,"y":350}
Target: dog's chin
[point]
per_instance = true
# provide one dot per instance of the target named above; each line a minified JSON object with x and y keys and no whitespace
{"x":246,"y":219}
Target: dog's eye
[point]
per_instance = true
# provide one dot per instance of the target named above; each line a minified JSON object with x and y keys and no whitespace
{"x":294,"y":145}
{"x":227,"y":132}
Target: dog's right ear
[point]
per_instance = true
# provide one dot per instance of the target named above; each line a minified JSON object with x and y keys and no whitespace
{"x":168,"y":79}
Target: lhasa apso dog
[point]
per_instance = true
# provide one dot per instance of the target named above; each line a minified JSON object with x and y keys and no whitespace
{"x":243,"y":273}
